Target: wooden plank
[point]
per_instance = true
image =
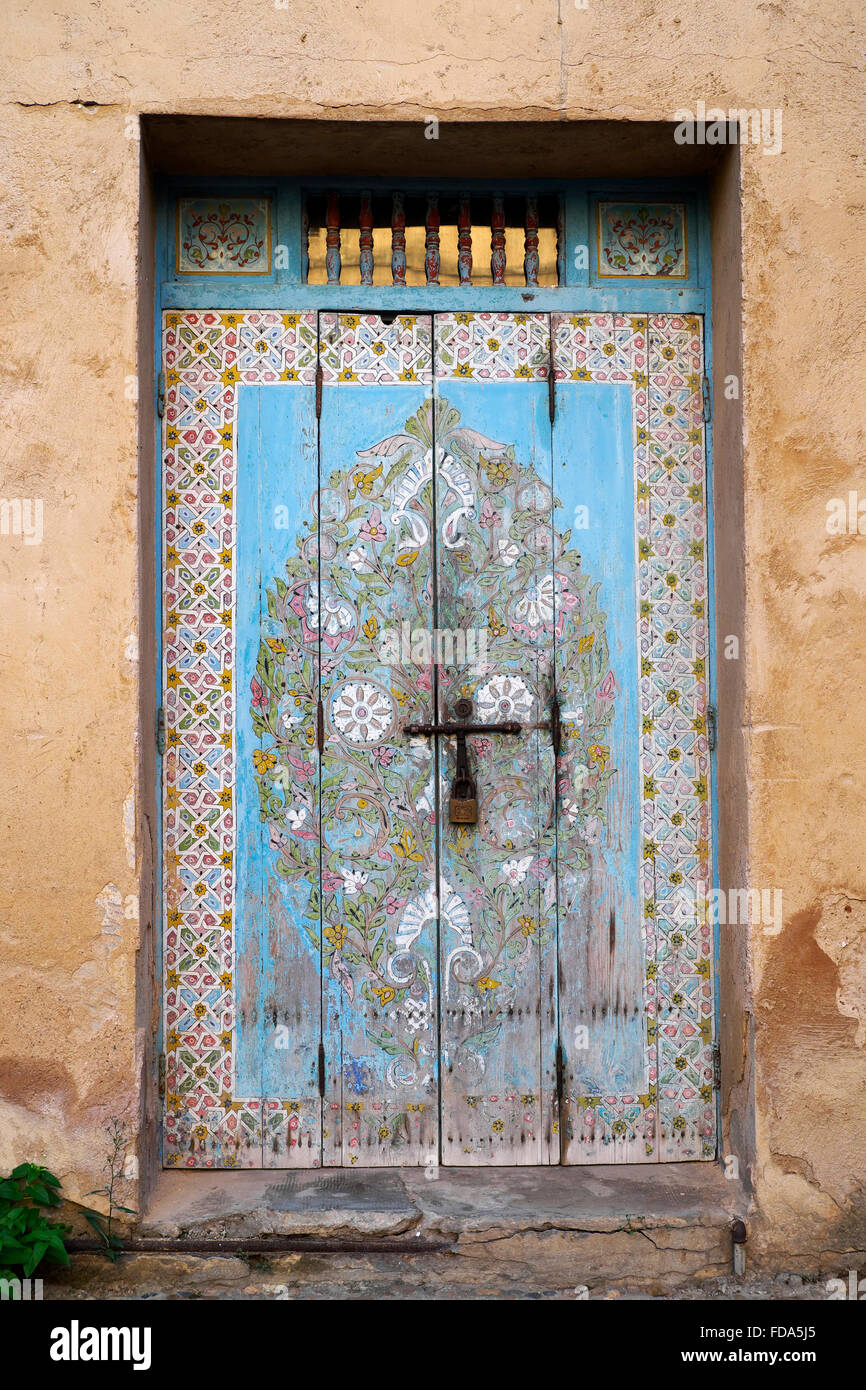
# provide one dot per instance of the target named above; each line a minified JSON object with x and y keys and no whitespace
{"x":379,"y":965}
{"x":495,"y":588}
{"x":601,"y":958}
{"x":278,"y":811}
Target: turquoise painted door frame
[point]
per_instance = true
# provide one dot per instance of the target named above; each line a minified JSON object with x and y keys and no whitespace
{"x":630,"y":351}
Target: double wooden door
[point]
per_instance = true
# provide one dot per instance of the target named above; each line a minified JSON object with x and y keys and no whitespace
{"x":438,"y":523}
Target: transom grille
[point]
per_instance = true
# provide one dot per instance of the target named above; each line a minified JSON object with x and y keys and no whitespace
{"x":431,"y":238}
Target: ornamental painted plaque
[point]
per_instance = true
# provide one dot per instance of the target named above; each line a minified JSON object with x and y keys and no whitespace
{"x":223,"y":236}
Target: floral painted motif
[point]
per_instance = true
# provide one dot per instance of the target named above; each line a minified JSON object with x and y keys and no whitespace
{"x":206,"y":356}
{"x":642,"y":241}
{"x":661,"y":357}
{"x":223,"y":237}
{"x":379,"y":521}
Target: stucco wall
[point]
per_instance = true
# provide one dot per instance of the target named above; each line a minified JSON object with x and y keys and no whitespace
{"x":75,"y":847}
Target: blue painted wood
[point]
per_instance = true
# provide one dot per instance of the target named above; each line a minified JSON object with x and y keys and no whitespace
{"x":575,"y":250}
{"x":280,"y":291}
{"x":278,"y":926}
{"x":379,"y":976}
{"x":635,"y":297}
{"x":601,"y":957}
{"x":498,"y":927}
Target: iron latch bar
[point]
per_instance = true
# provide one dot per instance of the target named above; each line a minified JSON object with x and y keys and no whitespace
{"x":456,"y":730}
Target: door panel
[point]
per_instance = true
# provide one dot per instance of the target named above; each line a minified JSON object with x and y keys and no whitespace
{"x":334,"y":574}
{"x":497,"y":883}
{"x":379,"y":941}
{"x":278,"y":961}
{"x":601,"y":957}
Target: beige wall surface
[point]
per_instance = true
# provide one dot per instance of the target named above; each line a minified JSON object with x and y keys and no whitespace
{"x":74,"y":844}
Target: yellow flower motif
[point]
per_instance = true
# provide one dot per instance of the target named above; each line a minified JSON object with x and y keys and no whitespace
{"x":485,"y":983}
{"x":498,"y":473}
{"x":385,"y":993}
{"x":587,"y":643}
{"x":599,"y":754}
{"x":336,"y":936}
{"x":497,"y":1126}
{"x":405,"y":847}
{"x":494,"y":625}
{"x":364,"y":481}
{"x":264,"y":761}
{"x":527,"y":926}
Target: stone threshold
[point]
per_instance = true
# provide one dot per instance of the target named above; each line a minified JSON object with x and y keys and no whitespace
{"x":460,"y":1205}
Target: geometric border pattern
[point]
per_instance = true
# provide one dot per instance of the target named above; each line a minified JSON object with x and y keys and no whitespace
{"x":206,"y":356}
{"x":661,"y":357}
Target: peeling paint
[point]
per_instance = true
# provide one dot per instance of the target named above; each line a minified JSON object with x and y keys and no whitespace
{"x":129,"y":827}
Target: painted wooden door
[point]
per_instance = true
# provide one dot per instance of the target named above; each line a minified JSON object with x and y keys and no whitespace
{"x":499,"y":509}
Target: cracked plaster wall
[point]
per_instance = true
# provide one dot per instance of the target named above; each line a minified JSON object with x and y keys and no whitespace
{"x":73,"y":1025}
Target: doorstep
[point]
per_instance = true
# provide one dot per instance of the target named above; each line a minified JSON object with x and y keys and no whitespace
{"x":455,"y":1204}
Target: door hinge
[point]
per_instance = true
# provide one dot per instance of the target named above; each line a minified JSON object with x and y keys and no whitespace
{"x":322,"y":1070}
{"x":160,"y":395}
{"x":705,"y":394}
{"x":161,"y":1075}
{"x":160,"y":731}
{"x":717,"y":1065}
{"x":320,"y":727}
{"x":712,"y":728}
{"x":318,"y":390}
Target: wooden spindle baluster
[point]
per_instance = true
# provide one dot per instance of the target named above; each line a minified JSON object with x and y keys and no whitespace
{"x":431,"y":244}
{"x":530,"y":245}
{"x":560,"y":241}
{"x":332,"y":239}
{"x":365,"y":238}
{"x":305,"y":242}
{"x":464,"y":240}
{"x":497,"y":240}
{"x":398,"y":240}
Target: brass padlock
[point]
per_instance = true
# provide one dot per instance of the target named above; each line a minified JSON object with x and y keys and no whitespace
{"x":463,"y":802}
